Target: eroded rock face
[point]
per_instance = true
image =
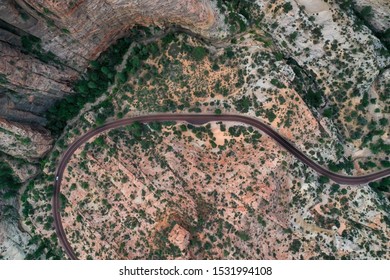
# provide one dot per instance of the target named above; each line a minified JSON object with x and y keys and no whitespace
{"x":24,"y":141}
{"x":78,"y":31}
{"x":70,"y":34}
{"x":14,"y":244}
{"x":380,"y":18}
{"x":29,"y":87}
{"x":115,"y":18}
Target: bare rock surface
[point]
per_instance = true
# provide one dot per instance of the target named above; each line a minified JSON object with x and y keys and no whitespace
{"x":343,"y":58}
{"x":13,"y":242}
{"x":28,"y":86}
{"x":79,"y":31}
{"x":380,"y":17}
{"x":24,"y":141}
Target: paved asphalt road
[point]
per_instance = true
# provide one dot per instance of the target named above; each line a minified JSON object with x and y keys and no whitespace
{"x":196,"y":119}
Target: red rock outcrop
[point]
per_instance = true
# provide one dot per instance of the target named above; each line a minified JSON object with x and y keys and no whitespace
{"x":179,"y":237}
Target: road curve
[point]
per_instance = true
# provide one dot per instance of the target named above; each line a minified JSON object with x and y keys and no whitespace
{"x":193,"y":119}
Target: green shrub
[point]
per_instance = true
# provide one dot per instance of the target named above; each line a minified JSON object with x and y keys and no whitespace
{"x":295,"y":246}
{"x":199,"y":53}
{"x":287,"y":7}
{"x":243,"y":235}
{"x":270,"y":115}
{"x":323,"y":180}
{"x":9,"y":184}
{"x":99,"y":76}
{"x":277,"y":83}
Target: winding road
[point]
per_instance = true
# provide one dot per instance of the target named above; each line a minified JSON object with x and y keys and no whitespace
{"x":196,"y":119}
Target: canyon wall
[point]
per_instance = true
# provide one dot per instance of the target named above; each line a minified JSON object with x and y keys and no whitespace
{"x":45,"y":45}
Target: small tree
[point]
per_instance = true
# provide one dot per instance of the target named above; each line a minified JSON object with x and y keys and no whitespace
{"x":295,"y":246}
{"x":287,"y":7}
{"x":366,"y":12}
{"x":198,"y":53}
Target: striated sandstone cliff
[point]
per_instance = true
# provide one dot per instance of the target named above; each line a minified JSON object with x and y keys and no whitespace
{"x":45,"y":45}
{"x":75,"y":32}
{"x":78,"y":31}
{"x":29,"y":87}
